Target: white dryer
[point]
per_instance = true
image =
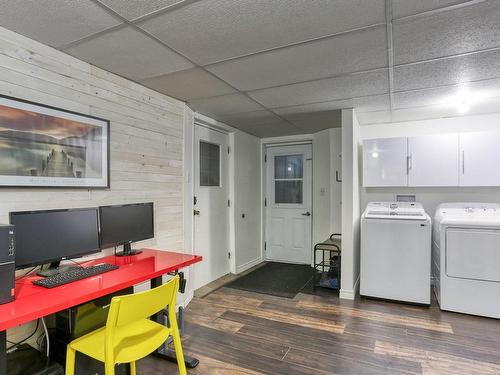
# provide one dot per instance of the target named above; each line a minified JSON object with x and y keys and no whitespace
{"x":466,"y":258}
{"x":396,"y":252}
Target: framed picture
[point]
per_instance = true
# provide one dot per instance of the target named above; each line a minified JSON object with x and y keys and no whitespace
{"x":43,"y":146}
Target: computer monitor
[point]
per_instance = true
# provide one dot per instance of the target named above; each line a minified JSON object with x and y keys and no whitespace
{"x":124,"y":224}
{"x":53,"y":235}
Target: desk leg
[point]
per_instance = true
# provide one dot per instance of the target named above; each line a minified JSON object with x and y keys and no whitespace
{"x":3,"y":352}
{"x":163,"y":351}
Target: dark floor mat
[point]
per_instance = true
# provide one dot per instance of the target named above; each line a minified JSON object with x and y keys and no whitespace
{"x":277,"y":279}
{"x":320,"y":291}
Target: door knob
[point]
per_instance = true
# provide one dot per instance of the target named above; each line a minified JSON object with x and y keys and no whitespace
{"x":196,"y":212}
{"x":306,"y":213}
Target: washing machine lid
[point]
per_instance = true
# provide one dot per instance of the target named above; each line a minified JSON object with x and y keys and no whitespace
{"x":395,"y":210}
{"x":468,"y":214}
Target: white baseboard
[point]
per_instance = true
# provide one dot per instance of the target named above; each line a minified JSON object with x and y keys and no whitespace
{"x":350,"y":293}
{"x":248,"y":265}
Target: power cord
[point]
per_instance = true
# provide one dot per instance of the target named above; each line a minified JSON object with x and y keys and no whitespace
{"x":47,"y":336}
{"x":25,"y":339}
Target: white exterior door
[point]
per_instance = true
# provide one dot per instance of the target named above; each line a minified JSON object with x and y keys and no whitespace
{"x":211,"y":212}
{"x":480,"y":155}
{"x":433,"y":160}
{"x":289,"y":203}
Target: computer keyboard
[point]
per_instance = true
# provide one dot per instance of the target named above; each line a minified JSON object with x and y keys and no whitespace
{"x":74,"y":275}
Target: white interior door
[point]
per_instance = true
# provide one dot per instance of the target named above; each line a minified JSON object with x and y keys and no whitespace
{"x":289,"y":203}
{"x":211,"y":212}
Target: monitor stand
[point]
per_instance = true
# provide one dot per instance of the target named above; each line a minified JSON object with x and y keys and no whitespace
{"x":54,"y":269}
{"x":127,"y":251}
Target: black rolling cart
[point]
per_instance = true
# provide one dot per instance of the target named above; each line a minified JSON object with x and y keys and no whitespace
{"x":327,"y":257}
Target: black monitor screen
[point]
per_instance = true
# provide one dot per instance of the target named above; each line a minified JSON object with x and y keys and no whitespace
{"x":50,"y":236}
{"x":126,"y":223}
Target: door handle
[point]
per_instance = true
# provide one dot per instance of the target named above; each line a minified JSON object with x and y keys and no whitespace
{"x":306,"y":213}
{"x":196,"y":213}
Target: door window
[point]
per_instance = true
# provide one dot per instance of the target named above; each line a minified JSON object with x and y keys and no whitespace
{"x":288,"y":179}
{"x":209,"y":164}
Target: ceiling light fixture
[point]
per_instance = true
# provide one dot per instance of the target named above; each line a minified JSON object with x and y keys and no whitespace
{"x":375,"y":154}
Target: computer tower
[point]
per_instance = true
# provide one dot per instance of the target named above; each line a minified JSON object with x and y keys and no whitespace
{"x":7,"y":263}
{"x":78,"y":321}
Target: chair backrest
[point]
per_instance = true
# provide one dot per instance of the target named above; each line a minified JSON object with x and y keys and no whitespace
{"x":133,"y":307}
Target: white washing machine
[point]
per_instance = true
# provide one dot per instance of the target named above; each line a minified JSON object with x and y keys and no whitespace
{"x":396,"y":252}
{"x":466,"y":258}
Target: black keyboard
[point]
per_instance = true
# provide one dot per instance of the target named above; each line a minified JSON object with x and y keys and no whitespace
{"x":74,"y":275}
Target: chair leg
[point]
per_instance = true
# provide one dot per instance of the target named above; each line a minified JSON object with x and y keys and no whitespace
{"x":109,"y":368}
{"x":70,"y":361}
{"x":178,"y":346}
{"x":132,"y":368}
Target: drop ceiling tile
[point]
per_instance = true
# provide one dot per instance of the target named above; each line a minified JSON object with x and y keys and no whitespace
{"x":273,"y":129}
{"x":132,"y":9}
{"x":375,"y":117}
{"x":363,"y":104}
{"x":338,"y":88}
{"x":214,"y":30}
{"x":481,"y":91}
{"x":346,"y":53}
{"x":478,"y":66}
{"x":219,"y":106}
{"x":435,"y":112}
{"x":455,"y":31}
{"x":251,"y":118}
{"x":189,"y":84}
{"x":404,"y":8}
{"x":129,"y":53}
{"x":55,"y":23}
{"x":312,"y":122}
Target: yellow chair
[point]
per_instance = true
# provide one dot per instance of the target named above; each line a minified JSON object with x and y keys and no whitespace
{"x":129,"y":334}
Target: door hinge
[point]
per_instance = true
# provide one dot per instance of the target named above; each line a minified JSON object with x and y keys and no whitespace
{"x":228,"y":149}
{"x":228,"y":203}
{"x":195,"y":200}
{"x":265,"y":158}
{"x":265,"y":202}
{"x":229,"y":255}
{"x":265,"y":245}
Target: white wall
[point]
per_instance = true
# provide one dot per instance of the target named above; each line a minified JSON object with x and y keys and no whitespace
{"x":146,"y":136}
{"x":326,"y":190}
{"x":247,"y":198}
{"x":431,"y":197}
{"x":350,"y":205}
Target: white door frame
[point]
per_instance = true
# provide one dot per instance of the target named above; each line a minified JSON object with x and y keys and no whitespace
{"x":190,"y":118}
{"x":278,"y":141}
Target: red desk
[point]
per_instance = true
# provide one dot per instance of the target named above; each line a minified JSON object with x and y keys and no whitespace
{"x":33,"y":302}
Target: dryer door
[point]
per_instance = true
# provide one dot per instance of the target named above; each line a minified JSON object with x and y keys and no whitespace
{"x":473,"y":254}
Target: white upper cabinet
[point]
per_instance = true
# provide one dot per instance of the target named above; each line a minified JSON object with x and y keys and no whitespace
{"x":433,"y":160}
{"x":480,"y":159}
{"x":385,"y":162}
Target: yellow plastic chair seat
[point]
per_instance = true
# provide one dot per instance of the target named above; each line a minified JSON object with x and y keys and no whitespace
{"x":129,"y":334}
{"x":132,"y":342}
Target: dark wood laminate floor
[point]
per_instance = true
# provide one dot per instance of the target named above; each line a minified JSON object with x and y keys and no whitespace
{"x":238,"y":332}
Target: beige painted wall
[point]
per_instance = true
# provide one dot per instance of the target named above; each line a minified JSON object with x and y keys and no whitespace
{"x":146,"y":136}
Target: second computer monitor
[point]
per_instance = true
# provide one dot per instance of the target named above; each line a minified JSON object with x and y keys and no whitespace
{"x":124,"y":224}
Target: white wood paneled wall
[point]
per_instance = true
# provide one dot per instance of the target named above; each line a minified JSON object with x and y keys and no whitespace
{"x":146,"y":135}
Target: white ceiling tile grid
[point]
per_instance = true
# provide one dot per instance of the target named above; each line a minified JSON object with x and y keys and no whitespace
{"x":281,"y":67}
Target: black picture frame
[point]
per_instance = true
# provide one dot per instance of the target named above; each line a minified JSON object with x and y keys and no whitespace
{"x":52,"y":147}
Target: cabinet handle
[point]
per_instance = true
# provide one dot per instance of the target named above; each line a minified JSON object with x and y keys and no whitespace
{"x":463,"y":161}
{"x":408,"y":163}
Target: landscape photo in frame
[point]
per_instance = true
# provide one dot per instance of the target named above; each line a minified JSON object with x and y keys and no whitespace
{"x":42,"y":146}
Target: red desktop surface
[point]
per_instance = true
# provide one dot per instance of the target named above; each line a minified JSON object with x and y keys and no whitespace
{"x":33,"y":301}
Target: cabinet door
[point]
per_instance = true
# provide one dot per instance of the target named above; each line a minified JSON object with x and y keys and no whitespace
{"x":480,"y":159}
{"x":433,"y":160}
{"x":384,"y":162}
